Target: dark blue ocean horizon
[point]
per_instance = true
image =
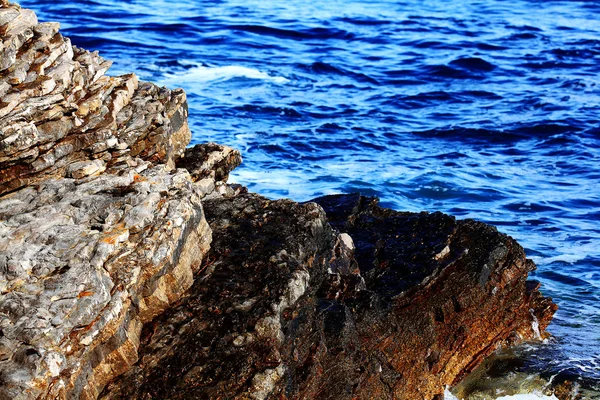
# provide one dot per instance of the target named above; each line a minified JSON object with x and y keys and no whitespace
{"x":480,"y":109}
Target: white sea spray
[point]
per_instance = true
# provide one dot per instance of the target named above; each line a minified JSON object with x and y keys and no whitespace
{"x":205,"y":74}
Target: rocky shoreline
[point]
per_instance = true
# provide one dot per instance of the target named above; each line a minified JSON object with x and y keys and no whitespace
{"x":130,"y":268}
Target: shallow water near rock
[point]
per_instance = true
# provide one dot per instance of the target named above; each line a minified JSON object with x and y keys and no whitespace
{"x":486,"y":110}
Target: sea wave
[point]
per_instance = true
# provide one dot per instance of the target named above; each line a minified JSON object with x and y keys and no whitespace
{"x":566,"y":258}
{"x":529,"y":396}
{"x":200,"y":74}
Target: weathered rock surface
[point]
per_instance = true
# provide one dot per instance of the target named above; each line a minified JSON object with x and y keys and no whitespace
{"x":230,"y":337}
{"x":108,"y":274}
{"x":83,"y":265}
{"x":210,"y":160}
{"x":280,"y":310}
{"x":441,"y":295}
{"x":58,"y":108}
{"x":99,"y":232}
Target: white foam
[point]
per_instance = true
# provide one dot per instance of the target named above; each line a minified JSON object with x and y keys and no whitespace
{"x":448,"y":395}
{"x":567,"y":258}
{"x":203,"y":74}
{"x":529,"y":396}
{"x":535,"y":325}
{"x":570,"y":252}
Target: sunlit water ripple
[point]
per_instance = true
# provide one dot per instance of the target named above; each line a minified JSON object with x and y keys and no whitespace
{"x":481,"y":109}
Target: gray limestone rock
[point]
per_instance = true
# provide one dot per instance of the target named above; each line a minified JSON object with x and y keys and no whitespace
{"x":57,"y":108}
{"x":83,"y":264}
{"x":99,"y":231}
{"x":210,"y":160}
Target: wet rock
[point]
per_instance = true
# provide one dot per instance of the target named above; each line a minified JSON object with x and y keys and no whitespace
{"x":441,"y":295}
{"x":567,"y":391}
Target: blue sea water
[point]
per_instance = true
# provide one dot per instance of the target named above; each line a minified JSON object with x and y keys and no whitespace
{"x":486,"y":109}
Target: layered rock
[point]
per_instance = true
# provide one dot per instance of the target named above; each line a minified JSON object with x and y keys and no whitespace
{"x":84,"y":265}
{"x":99,"y":233}
{"x":441,"y":295}
{"x":61,"y":116}
{"x":210,"y":160}
{"x":108,"y":274}
{"x":280,"y":310}
{"x":229,"y":338}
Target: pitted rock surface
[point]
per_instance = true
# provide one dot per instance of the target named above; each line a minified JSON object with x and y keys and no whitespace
{"x":83,"y":264}
{"x":400,"y":306}
{"x":440,"y":296}
{"x":228,"y":338}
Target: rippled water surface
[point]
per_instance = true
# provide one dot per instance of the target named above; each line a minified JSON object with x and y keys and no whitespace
{"x":482,"y":109}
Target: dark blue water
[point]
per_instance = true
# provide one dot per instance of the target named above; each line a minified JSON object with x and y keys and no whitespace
{"x":481,"y":109}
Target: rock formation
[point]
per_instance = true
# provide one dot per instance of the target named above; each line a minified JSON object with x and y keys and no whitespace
{"x":129,"y":268}
{"x":60,"y":116}
{"x":286,"y":305}
{"x":99,"y":233}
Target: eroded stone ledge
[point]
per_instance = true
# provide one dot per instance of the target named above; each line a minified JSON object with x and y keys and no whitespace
{"x":287,"y":307}
{"x":83,"y":265}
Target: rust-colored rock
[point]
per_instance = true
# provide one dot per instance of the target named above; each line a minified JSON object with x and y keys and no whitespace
{"x":434,"y":296}
{"x":441,"y":295}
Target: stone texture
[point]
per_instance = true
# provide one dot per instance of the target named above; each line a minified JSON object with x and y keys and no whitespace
{"x":99,"y":232}
{"x":228,"y":338}
{"x":210,"y":160}
{"x":57,"y":107}
{"x":83,"y":264}
{"x":441,"y":295}
{"x":288,"y":308}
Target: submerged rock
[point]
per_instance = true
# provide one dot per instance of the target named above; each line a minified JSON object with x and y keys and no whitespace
{"x":108,"y":274}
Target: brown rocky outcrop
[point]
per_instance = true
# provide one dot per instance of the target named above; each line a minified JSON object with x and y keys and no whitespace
{"x":281,"y":310}
{"x":229,"y":337}
{"x":130,"y":269}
